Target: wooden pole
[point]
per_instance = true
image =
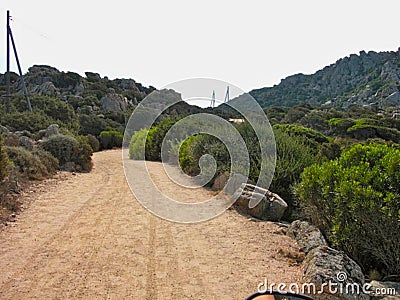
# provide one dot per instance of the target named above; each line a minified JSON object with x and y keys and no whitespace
{"x":8,"y":95}
{"x":28,"y":102}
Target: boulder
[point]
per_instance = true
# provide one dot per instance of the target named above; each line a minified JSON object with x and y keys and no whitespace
{"x":113,"y":103}
{"x":47,"y":88}
{"x":306,"y":235}
{"x":79,"y":88}
{"x":385,"y":290}
{"x":220,"y":181}
{"x":324,"y":265}
{"x":4,"y":130}
{"x":53,"y":129}
{"x":23,"y":133}
{"x":270,"y":206}
{"x":26,"y":142}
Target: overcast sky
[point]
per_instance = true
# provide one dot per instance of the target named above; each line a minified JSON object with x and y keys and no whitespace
{"x":249,"y":43}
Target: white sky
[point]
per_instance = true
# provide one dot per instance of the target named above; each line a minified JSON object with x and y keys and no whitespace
{"x":249,"y":43}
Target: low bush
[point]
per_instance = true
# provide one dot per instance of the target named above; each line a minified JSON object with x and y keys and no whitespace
{"x":93,"y":142}
{"x":63,"y":147}
{"x":110,"y":139}
{"x":4,"y":162}
{"x":83,"y":156}
{"x":27,"y":164}
{"x":68,"y":149}
{"x":156,"y":136}
{"x":355,"y":200}
{"x":186,"y":159}
{"x":32,"y":122}
{"x":137,"y":144}
{"x":293,"y":154}
{"x":48,"y":160}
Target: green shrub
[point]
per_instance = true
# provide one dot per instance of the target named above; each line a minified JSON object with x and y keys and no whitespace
{"x":93,"y":142}
{"x":110,"y":139}
{"x":68,"y":149}
{"x":297,"y":130}
{"x":28,"y":165}
{"x":63,"y":147}
{"x":356,"y":201}
{"x":186,"y":160}
{"x":32,"y":122}
{"x":49,"y":161}
{"x":4,"y":162}
{"x":91,"y":124}
{"x":137,"y":144}
{"x":193,"y":148}
{"x":293,"y":154}
{"x":83,"y":157}
{"x":156,"y":136}
{"x":55,"y":109}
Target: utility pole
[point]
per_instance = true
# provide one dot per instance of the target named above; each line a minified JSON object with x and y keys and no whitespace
{"x":10,"y":37}
{"x":8,"y":95}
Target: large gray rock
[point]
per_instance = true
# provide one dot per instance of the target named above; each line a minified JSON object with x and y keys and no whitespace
{"x":324,"y":265}
{"x":220,"y":181}
{"x":4,"y":130}
{"x":114,"y":103}
{"x":270,"y":208}
{"x":53,"y":129}
{"x":47,"y":88}
{"x":306,"y":235}
{"x":26,"y":142}
{"x":23,"y":133}
{"x":79,"y":88}
{"x":385,"y":290}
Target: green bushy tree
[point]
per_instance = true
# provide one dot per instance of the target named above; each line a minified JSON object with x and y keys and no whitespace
{"x":356,"y":201}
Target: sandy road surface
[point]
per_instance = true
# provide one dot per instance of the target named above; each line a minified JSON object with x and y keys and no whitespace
{"x":87,"y":237}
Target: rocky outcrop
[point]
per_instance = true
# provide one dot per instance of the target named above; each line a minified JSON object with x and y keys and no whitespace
{"x":47,"y":88}
{"x":113,"y":102}
{"x":363,"y":79}
{"x":271,"y":207}
{"x":324,"y":265}
{"x":306,"y":235}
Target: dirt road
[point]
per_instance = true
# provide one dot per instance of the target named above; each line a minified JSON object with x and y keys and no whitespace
{"x":87,"y":237}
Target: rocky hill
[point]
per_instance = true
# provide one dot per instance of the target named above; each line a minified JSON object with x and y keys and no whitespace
{"x":92,"y":92}
{"x":364,"y":79}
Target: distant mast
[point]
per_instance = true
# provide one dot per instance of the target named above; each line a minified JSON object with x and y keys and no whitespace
{"x":227,"y":95}
{"x":213,"y":99}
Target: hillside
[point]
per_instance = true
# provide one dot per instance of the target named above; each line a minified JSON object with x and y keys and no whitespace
{"x":364,"y":79}
{"x":84,"y":105}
